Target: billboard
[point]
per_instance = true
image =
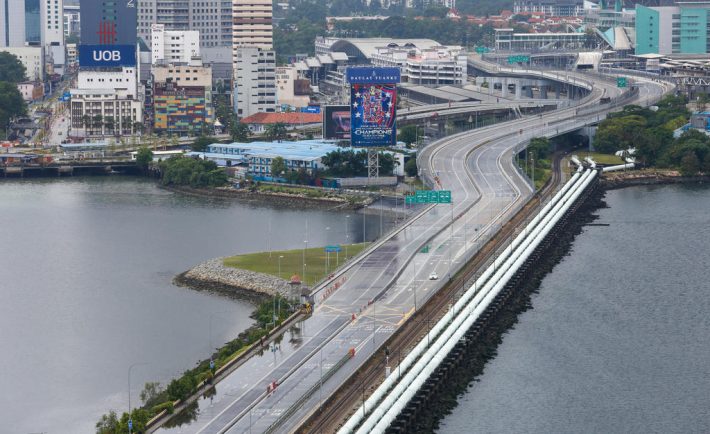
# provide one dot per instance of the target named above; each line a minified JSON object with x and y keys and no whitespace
{"x":369,"y":74}
{"x":107,"y":56}
{"x":109,"y":22}
{"x":373,"y":111}
{"x":336,"y":122}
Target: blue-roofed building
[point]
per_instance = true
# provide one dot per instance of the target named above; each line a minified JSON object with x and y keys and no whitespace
{"x":305,"y":154}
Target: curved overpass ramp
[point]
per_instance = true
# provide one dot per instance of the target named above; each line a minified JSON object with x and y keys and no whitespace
{"x":382,"y":287}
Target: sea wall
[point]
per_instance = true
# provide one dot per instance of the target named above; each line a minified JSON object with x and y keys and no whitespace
{"x":213,"y":275}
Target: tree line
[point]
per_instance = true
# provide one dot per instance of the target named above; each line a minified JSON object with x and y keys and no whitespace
{"x":650,"y":132}
{"x":12,"y":71}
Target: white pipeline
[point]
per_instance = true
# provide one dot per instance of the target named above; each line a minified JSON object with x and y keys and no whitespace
{"x":378,"y":422}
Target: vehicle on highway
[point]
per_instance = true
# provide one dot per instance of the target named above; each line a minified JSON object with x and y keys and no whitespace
{"x":433,"y":276}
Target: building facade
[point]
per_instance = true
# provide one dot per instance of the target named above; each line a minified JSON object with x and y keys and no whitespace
{"x":108,"y":22}
{"x":102,"y":112}
{"x":72,"y":21}
{"x":556,"y":8}
{"x":173,"y":46}
{"x":32,"y":58}
{"x":252,"y":24}
{"x":430,"y":66}
{"x":509,"y":40}
{"x":681,"y":29}
{"x":212,"y":18}
{"x":182,"y":99}
{"x":255,"y":81}
{"x":12,"y":23}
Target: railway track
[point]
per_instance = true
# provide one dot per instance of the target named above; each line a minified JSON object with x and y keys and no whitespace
{"x":359,"y":386}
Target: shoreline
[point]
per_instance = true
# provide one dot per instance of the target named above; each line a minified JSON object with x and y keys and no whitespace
{"x":616,"y":180}
{"x":213,"y":276}
{"x":281,"y":199}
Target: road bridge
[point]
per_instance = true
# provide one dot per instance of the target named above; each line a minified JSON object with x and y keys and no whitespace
{"x":383,"y":288}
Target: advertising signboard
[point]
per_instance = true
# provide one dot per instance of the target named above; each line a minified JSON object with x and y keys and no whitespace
{"x":373,"y":112}
{"x":336,"y":122}
{"x":369,"y":74}
{"x":107,"y":56}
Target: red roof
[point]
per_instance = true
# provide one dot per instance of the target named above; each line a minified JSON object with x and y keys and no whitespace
{"x":284,"y":118}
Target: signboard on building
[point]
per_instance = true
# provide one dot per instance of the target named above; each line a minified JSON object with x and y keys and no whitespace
{"x":310,"y":109}
{"x":109,"y":22}
{"x":107,"y":56}
{"x":376,"y":75}
{"x":336,"y":122}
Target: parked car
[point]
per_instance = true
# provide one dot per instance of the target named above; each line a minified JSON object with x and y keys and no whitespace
{"x":433,"y":276}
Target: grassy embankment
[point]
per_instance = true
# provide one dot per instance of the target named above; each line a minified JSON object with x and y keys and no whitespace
{"x":293,"y":260}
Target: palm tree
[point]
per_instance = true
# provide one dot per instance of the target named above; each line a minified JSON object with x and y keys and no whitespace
{"x":97,"y":120}
{"x":109,"y":124}
{"x":276,"y":131}
{"x":86,"y":122}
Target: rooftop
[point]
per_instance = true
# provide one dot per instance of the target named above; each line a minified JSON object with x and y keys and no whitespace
{"x":285,"y":118}
{"x":301,"y":150}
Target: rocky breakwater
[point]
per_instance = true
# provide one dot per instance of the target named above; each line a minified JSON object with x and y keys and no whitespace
{"x":214,"y":276}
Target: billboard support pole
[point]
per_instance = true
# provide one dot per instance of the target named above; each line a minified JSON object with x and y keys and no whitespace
{"x":373,"y":164}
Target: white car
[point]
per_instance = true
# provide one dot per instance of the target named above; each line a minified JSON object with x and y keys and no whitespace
{"x":433,"y":276}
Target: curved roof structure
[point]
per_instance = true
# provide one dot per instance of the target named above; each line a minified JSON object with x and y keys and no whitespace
{"x":362,"y":49}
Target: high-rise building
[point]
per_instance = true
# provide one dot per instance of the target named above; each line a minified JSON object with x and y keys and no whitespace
{"x":52,"y":30}
{"x":252,"y":24}
{"x":12,"y":23}
{"x":212,"y":18}
{"x":254,"y":61}
{"x":173,"y":46}
{"x":108,"y":22}
{"x":680,"y":29}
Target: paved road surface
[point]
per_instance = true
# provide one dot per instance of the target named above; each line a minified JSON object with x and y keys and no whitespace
{"x":477,"y":166}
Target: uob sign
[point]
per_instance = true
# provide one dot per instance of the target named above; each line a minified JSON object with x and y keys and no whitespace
{"x":107,"y":56}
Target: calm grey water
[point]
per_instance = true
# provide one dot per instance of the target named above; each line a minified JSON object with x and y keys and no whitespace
{"x":86,"y":290}
{"x":618,"y":340}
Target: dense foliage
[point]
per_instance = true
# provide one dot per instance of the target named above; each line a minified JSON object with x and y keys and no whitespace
{"x":201,"y":143}
{"x":11,"y":102}
{"x":348,"y":163}
{"x":193,"y":172}
{"x":11,"y":69}
{"x":144,"y":157}
{"x":651,"y":133}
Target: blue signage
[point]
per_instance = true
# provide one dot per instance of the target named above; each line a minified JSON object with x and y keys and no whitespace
{"x":311,"y":109}
{"x":373,"y":110}
{"x":361,"y":74}
{"x":107,"y":56}
{"x":333,"y":249}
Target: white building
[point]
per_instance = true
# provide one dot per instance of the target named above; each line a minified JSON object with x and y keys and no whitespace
{"x":173,"y":46}
{"x":255,"y":81}
{"x":100,"y":112}
{"x":72,"y":20}
{"x":32,"y":58}
{"x":72,"y":54}
{"x":31,"y":90}
{"x":52,"y":33}
{"x":286,"y":93}
{"x":429,"y":66}
{"x":123,"y":79}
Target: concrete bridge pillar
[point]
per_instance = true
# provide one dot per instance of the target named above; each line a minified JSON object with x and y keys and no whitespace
{"x":557,"y":91}
{"x":518,"y":89}
{"x":543,"y":92}
{"x":529,"y":92}
{"x":504,"y":87}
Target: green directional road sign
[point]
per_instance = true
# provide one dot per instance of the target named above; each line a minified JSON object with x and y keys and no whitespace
{"x":518,"y":59}
{"x":421,"y":196}
{"x":433,"y":197}
{"x":445,"y":196}
{"x":481,"y":50}
{"x":620,"y":81}
{"x":408,"y":200}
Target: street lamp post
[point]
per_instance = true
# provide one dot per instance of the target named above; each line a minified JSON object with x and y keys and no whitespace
{"x":347,"y":236}
{"x":327,"y":251}
{"x":130,"y":419}
{"x":364,"y":219}
{"x":305,"y":244}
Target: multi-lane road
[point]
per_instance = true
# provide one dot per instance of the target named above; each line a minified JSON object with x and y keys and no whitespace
{"x":379,"y":291}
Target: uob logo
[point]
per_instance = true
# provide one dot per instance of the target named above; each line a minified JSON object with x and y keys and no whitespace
{"x":107,"y":55}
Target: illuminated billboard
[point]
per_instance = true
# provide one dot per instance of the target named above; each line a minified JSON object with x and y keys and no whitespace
{"x":373,"y":111}
{"x":107,"y":56}
{"x":336,"y":122}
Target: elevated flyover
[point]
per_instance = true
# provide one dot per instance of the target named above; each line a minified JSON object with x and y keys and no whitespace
{"x":379,"y":291}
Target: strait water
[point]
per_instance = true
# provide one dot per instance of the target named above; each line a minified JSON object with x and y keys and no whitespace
{"x":618,"y":339}
{"x":86,"y":292}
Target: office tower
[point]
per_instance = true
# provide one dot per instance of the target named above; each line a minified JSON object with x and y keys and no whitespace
{"x":212,"y":18}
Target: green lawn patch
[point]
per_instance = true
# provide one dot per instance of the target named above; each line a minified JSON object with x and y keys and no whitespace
{"x":293,"y":260}
{"x":599,"y":158}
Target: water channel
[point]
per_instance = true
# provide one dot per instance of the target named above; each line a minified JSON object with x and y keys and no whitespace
{"x":618,"y":337}
{"x":86,"y":289}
